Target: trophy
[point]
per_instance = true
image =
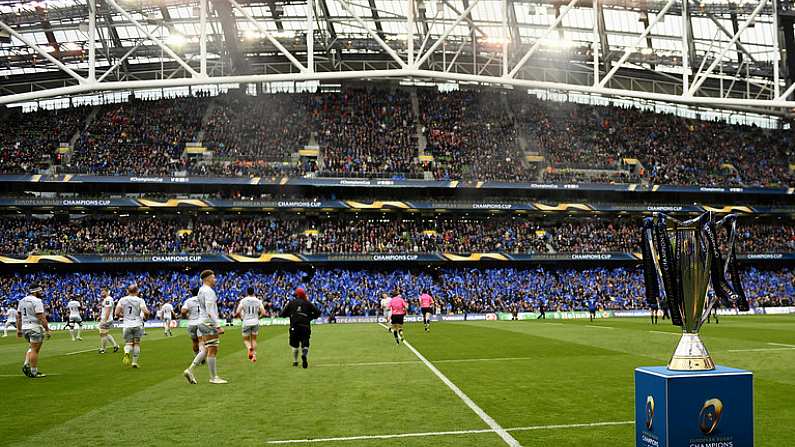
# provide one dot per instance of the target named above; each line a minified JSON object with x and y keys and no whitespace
{"x":684,"y":257}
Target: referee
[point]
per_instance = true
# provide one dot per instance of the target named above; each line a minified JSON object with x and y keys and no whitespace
{"x":300,"y":312}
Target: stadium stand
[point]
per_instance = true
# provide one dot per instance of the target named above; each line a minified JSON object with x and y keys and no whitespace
{"x":339,"y":234}
{"x":373,"y":133}
{"x":356,"y":292}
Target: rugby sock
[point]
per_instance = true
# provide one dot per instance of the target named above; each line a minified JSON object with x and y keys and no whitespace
{"x":72,"y":333}
{"x":295,"y":354}
{"x":211,"y":366}
{"x":27,"y":354}
{"x":136,"y":353}
{"x":112,"y":341}
{"x":395,"y":333}
{"x":305,"y":352}
{"x":103,"y":342}
{"x":198,"y":359}
{"x":34,"y":370}
{"x":127,"y":349}
{"x":78,"y":330}
{"x":5,"y":331}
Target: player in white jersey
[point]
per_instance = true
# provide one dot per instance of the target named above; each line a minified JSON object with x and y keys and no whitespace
{"x":385,"y":299}
{"x":209,"y":329}
{"x":190,"y":310}
{"x":11,"y":320}
{"x":250,"y":309}
{"x":105,"y":322}
{"x":132,"y":309}
{"x":32,"y":324}
{"x":167,"y":314}
{"x":75,"y":319}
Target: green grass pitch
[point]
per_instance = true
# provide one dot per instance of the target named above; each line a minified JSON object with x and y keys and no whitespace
{"x":531,"y":376}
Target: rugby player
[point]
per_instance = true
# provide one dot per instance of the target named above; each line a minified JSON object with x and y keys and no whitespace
{"x":75,"y":319}
{"x":132,"y":309}
{"x":190,"y":310}
{"x":385,"y":299}
{"x":250,"y":309}
{"x":11,"y":320}
{"x":105,"y":322}
{"x":209,"y":329}
{"x":167,"y":313}
{"x":32,"y":324}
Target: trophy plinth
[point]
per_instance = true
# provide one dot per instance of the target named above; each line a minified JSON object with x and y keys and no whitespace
{"x":691,"y":355}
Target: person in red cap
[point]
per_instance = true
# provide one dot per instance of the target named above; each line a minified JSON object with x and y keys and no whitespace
{"x":301,"y":312}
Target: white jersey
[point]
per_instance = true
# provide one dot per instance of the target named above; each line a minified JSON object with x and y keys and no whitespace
{"x":106,"y":313}
{"x":249,"y":308}
{"x":29,"y":307}
{"x":11,"y":315}
{"x":167,"y":311}
{"x":208,"y":306}
{"x":74,"y":309}
{"x":385,"y":303}
{"x":191,"y":308}
{"x":132,"y":311}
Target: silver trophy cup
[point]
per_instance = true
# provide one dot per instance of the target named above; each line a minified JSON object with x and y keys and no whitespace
{"x":685,"y":260}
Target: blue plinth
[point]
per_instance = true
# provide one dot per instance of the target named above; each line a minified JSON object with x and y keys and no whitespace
{"x":694,"y":408}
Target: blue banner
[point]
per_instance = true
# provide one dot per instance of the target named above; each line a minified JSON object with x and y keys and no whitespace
{"x":387,"y":183}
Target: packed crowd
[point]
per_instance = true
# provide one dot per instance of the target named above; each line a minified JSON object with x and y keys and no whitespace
{"x":30,"y":140}
{"x":471,"y":136}
{"x":254,"y":129}
{"x":343,"y":234}
{"x":139,"y":137}
{"x":358,"y":292}
{"x":673,"y":150}
{"x":374,"y":133}
{"x":367,"y":134}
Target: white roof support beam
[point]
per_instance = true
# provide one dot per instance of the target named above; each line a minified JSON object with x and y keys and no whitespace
{"x":44,"y":53}
{"x":203,"y":37}
{"x":540,"y":40}
{"x":152,"y":37}
{"x":392,"y":53}
{"x":116,"y":64}
{"x":636,"y":44}
{"x":284,"y":51}
{"x":310,"y":35}
{"x":595,"y":41}
{"x":687,"y":40}
{"x":726,"y":32}
{"x":447,"y":33}
{"x":699,"y":80}
{"x":92,"y":42}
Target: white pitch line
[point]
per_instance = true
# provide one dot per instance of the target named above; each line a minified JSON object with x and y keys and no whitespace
{"x":554,"y":324}
{"x":510,"y":440}
{"x":417,"y":362}
{"x":20,"y":375}
{"x":80,"y":352}
{"x":600,"y":327}
{"x":493,"y":359}
{"x":762,"y":349}
{"x":449,"y":433}
{"x":663,"y":332}
{"x":337,"y":365}
{"x":782,"y":344}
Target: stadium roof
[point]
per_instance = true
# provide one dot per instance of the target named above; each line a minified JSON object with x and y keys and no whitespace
{"x":613,"y":47}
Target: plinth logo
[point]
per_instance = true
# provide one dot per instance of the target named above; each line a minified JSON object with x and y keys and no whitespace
{"x":650,"y":412}
{"x":710,"y":415}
